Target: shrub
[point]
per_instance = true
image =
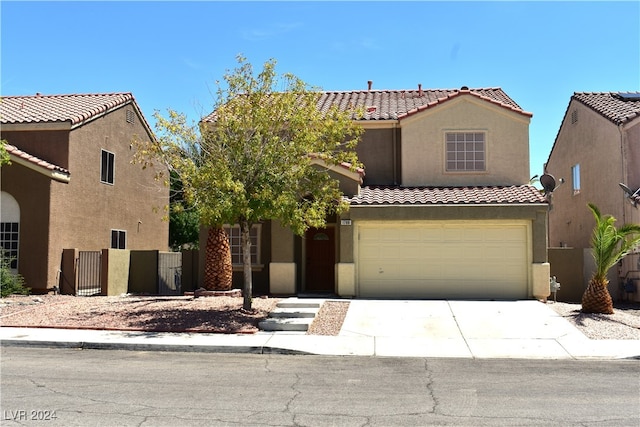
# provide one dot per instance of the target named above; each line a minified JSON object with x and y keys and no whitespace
{"x":11,"y":283}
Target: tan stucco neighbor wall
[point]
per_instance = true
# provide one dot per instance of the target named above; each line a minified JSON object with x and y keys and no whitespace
{"x":593,"y":142}
{"x":84,"y":212}
{"x":31,"y":191}
{"x":424,"y":149}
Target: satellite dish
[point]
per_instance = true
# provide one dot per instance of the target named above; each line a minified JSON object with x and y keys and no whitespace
{"x":633,"y":196}
{"x":548,"y":182}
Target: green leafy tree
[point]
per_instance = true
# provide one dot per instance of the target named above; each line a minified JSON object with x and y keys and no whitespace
{"x":609,"y":244}
{"x":253,"y":159}
{"x":4,"y":155}
{"x":184,"y":222}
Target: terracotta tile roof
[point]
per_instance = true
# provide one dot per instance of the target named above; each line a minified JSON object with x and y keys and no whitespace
{"x":611,"y":105}
{"x":392,"y":195}
{"x":398,"y":104}
{"x":76,"y":109}
{"x":17,"y":154}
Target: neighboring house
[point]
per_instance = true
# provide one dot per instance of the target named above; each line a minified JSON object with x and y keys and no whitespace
{"x":71,"y":183}
{"x":597,"y":148}
{"x":445,"y":209}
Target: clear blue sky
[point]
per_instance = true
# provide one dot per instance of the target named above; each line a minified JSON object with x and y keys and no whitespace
{"x":169,"y":54}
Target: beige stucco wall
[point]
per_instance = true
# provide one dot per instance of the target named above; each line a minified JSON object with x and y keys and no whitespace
{"x":595,"y":144}
{"x":424,"y":150}
{"x":84,"y":212}
{"x":115,"y":271}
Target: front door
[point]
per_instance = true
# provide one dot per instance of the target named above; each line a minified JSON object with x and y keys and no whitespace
{"x":320,"y":253}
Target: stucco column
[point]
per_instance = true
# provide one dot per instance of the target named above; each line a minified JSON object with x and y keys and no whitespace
{"x":345,"y":268}
{"x":282,"y":268}
{"x":541,"y":273}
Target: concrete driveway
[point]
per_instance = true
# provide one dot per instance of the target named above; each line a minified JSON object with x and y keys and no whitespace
{"x":482,"y":329}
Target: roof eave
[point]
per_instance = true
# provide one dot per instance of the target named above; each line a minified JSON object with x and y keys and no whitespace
{"x":54,"y":174}
{"x":37,"y":126}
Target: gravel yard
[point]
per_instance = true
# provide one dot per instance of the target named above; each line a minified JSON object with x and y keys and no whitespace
{"x":224,"y":314}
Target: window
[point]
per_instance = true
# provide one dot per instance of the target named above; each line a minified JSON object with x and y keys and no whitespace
{"x":107,"y":167}
{"x":575,"y":177}
{"x":465,"y":152}
{"x":235,"y":242}
{"x":9,"y":234}
{"x":118,"y":239}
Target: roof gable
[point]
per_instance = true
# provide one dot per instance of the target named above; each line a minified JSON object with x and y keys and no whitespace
{"x":617,"y":107}
{"x":72,"y":110}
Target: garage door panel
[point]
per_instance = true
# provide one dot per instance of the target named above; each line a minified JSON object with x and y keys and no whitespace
{"x":443,"y":260}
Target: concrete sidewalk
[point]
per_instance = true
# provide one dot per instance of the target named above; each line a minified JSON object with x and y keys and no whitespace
{"x":463,"y":329}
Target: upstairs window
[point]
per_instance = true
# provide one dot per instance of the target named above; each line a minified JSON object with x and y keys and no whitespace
{"x":107,"y":167}
{"x":575,"y":178}
{"x":465,"y":152}
{"x":118,"y":239}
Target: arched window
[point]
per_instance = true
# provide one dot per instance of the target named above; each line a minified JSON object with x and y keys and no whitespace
{"x":9,"y":228}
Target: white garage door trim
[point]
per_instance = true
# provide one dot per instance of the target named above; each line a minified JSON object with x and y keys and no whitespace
{"x":443,"y":259}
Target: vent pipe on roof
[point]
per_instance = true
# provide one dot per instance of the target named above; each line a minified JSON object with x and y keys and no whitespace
{"x":420,"y":90}
{"x":369,"y":84}
{"x":464,"y":88}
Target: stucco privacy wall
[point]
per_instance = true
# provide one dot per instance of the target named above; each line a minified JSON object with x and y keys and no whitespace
{"x":115,"y":271}
{"x":507,"y":144}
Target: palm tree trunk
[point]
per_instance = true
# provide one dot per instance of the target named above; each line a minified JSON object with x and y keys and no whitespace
{"x":596,"y":298}
{"x":218,"y":271}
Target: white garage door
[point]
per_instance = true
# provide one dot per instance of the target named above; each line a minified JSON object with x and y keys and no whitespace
{"x":442,"y":260}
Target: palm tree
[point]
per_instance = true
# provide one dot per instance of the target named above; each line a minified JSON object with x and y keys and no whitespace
{"x":218,"y":270}
{"x":608,"y":246}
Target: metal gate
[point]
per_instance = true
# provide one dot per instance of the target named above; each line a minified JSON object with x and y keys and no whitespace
{"x":169,"y":273}
{"x":89,"y":272}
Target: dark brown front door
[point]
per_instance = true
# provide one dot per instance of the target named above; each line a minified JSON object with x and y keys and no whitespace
{"x":321,"y":258}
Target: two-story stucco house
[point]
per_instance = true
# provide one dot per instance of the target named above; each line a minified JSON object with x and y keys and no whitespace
{"x":597,"y":148}
{"x":444,"y":210}
{"x":71,"y":183}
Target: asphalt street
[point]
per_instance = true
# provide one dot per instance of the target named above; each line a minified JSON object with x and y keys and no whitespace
{"x":69,"y":387}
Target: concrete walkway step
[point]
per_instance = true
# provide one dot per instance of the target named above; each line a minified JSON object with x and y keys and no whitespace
{"x":280,"y":324}
{"x":294,"y":312}
{"x":291,"y":315}
{"x":297,"y":303}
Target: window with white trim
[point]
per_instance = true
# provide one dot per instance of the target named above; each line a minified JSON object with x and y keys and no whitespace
{"x":465,"y":152}
{"x":9,"y":237}
{"x":118,"y":239}
{"x":235,"y":243}
{"x":575,"y":178}
{"x":107,"y":167}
